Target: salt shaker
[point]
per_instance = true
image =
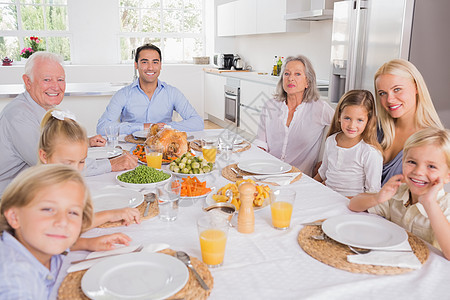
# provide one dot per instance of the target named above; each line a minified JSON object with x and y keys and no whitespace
{"x":246,"y":217}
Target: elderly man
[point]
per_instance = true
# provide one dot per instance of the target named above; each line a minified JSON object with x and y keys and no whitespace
{"x":148,"y":100}
{"x":20,"y":120}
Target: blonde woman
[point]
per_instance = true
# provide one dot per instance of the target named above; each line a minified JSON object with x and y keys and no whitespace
{"x":404,"y":107}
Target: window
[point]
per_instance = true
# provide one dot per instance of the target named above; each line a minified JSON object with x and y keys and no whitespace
{"x":176,"y":26}
{"x":46,"y":19}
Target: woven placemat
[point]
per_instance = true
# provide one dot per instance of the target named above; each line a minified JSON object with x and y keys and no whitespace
{"x":131,"y":139}
{"x":245,"y":146}
{"x":335,"y":254}
{"x":231,"y":176}
{"x":71,"y":286}
{"x":153,"y":211}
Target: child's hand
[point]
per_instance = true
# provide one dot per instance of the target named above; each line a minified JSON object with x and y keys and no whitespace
{"x":126,"y":215}
{"x":431,"y":194}
{"x":390,"y":188}
{"x":107,"y":242}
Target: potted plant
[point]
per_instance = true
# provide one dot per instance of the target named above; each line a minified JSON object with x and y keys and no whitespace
{"x":35,"y":44}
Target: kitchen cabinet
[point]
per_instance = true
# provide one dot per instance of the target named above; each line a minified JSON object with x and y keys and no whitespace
{"x":214,"y":95}
{"x":226,"y":19}
{"x":245,"y":17}
{"x":253,"y":97}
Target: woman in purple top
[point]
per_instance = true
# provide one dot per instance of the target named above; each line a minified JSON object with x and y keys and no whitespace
{"x":404,"y":107}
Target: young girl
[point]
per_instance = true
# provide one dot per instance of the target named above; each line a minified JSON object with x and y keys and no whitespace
{"x":415,"y":199}
{"x":64,"y":141}
{"x":352,"y":160}
{"x":43,"y":211}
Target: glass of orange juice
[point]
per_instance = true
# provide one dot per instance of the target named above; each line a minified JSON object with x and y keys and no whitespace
{"x":154,"y":154}
{"x":213,"y":232}
{"x":281,"y":205}
{"x":209,"y":149}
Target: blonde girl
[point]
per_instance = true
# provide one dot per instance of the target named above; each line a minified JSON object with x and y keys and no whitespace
{"x":416,"y":199}
{"x":43,"y":212}
{"x":352,"y":159}
{"x":64,"y":141}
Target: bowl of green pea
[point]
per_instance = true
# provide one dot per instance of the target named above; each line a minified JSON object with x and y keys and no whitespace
{"x":142,"y":177}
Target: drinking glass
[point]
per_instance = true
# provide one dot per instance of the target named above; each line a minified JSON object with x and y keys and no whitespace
{"x":112,"y":135}
{"x":168,"y":197}
{"x":154,"y":154}
{"x":213,"y":232}
{"x":281,"y":205}
{"x":209,"y":149}
{"x":226,"y":144}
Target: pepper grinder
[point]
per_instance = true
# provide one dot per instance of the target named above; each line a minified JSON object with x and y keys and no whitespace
{"x":246,"y":217}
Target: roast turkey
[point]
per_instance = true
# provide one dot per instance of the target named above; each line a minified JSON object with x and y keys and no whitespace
{"x":174,"y":142}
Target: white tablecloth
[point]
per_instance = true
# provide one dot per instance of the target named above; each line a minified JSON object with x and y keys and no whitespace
{"x":269,"y":264}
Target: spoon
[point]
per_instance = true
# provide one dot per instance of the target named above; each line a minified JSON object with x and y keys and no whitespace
{"x":149,"y":198}
{"x":359,"y":250}
{"x":229,"y":195}
{"x":184,"y":257}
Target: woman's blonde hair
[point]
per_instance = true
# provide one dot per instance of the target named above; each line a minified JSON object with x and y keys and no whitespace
{"x":311,"y":93}
{"x":24,"y":188}
{"x":425,"y":115}
{"x":430,"y":136}
{"x":53,"y":130}
{"x":362,"y":98}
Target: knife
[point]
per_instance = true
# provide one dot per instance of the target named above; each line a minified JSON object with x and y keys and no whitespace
{"x":150,"y":248}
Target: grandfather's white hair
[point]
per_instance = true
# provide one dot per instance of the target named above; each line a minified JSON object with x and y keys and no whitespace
{"x":44,"y":55}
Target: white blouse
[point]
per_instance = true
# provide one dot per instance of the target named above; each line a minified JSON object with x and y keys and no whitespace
{"x":350,"y":171}
{"x":299,"y":144}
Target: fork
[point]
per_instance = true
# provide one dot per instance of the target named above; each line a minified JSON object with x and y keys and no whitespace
{"x":237,"y":173}
{"x":138,"y":249}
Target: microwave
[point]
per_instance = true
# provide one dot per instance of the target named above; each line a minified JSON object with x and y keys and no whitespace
{"x":223,"y":61}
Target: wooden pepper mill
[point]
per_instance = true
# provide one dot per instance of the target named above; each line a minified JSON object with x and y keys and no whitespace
{"x":246,"y":217}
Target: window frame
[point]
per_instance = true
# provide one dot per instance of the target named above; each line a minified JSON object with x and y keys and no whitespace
{"x":21,"y":34}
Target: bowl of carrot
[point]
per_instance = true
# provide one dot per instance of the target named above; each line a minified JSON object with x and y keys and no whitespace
{"x":192,"y":189}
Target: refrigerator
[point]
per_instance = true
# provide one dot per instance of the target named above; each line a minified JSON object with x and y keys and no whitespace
{"x":368,"y":33}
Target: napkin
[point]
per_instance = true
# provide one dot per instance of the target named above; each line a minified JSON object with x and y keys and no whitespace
{"x":393,"y":258}
{"x":121,"y":250}
{"x":280,"y":179}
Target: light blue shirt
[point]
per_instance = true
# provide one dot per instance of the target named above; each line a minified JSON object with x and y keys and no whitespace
{"x":20,"y":123}
{"x":130,"y":108}
{"x":22,"y":276}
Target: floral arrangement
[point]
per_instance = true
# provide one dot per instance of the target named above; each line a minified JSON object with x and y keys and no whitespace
{"x":34,"y":44}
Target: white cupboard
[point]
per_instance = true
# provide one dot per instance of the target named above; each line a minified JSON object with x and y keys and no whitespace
{"x":253,"y":97}
{"x":226,"y":19}
{"x":245,"y":17}
{"x":214,"y":95}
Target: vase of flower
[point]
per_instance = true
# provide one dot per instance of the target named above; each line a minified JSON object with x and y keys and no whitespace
{"x":34,"y":45}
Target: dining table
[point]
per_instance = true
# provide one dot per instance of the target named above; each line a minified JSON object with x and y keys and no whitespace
{"x":270,"y":263}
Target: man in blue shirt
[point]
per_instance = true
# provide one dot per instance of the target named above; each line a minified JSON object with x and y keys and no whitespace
{"x":148,"y":100}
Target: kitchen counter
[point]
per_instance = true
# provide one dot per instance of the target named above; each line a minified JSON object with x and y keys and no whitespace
{"x":257,"y":77}
{"x":72,"y":89}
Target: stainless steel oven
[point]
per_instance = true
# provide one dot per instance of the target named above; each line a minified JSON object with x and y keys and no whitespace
{"x":232,"y":102}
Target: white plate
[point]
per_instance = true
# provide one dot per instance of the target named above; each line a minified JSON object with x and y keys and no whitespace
{"x":103,"y":152}
{"x":141,"y":134}
{"x":115,"y":198}
{"x":210,"y":201}
{"x":262,"y":167}
{"x":140,"y":186}
{"x":135,"y":276}
{"x":186,"y":175}
{"x":364,"y":231}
